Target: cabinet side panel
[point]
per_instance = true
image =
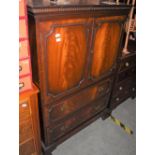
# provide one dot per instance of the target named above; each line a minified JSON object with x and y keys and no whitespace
{"x":35,"y":120}
{"x":33,"y":48}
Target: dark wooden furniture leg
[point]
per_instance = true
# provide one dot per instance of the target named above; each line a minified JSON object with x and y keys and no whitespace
{"x":106,"y":115}
{"x":47,"y":150}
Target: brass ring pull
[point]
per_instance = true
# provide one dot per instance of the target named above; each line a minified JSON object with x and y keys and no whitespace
{"x":20,"y":68}
{"x":21,"y":85}
{"x":127,"y":64}
{"x":120,"y":88}
{"x":117,"y":99}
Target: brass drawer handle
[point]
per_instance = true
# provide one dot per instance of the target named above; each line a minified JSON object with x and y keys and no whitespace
{"x":20,"y":68}
{"x":127,"y":64}
{"x":21,"y":85}
{"x":117,"y":99}
{"x":120,"y":88}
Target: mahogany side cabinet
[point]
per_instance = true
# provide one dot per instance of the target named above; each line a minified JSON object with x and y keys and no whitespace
{"x":74,"y":54}
{"x":29,"y":127}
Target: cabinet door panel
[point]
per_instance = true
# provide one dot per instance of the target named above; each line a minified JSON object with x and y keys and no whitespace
{"x":65,"y":58}
{"x":106,"y":43}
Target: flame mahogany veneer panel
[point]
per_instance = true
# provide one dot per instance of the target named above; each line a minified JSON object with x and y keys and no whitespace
{"x":66,"y":57}
{"x":105,"y":48}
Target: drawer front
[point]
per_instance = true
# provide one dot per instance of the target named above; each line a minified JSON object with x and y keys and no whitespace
{"x":24,"y":111}
{"x":24,"y":67}
{"x":125,"y":74}
{"x":104,"y":87}
{"x":118,"y":99}
{"x":25,"y":83}
{"x":21,"y":7}
{"x":25,"y":130}
{"x":127,"y":63}
{"x":23,"y":49}
{"x":27,"y":148}
{"x":86,"y":113}
{"x":22,"y":29}
{"x":122,"y":87}
{"x":74,"y":103}
{"x":123,"y":91}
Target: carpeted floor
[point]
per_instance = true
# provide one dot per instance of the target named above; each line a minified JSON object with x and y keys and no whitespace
{"x":104,"y":137}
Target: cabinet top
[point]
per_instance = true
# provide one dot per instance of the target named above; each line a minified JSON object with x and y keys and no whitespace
{"x":49,"y":6}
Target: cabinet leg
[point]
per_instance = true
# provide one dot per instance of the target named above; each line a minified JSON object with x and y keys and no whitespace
{"x":47,"y":153}
{"x":48,"y":150}
{"x":106,"y":115}
{"x":103,"y":118}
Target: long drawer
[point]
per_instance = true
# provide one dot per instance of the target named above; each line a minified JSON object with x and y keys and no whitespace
{"x":72,"y":104}
{"x":86,"y":113}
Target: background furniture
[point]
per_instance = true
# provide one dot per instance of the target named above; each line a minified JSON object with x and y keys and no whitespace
{"x":75,"y":52}
{"x":29,"y":129}
{"x":130,"y":25}
{"x":25,"y":77}
{"x":125,"y":80}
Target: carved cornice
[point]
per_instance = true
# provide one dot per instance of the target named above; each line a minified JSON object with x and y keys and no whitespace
{"x":75,"y":9}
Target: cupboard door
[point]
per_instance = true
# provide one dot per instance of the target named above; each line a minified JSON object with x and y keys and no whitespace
{"x":106,"y":43}
{"x":65,"y":47}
